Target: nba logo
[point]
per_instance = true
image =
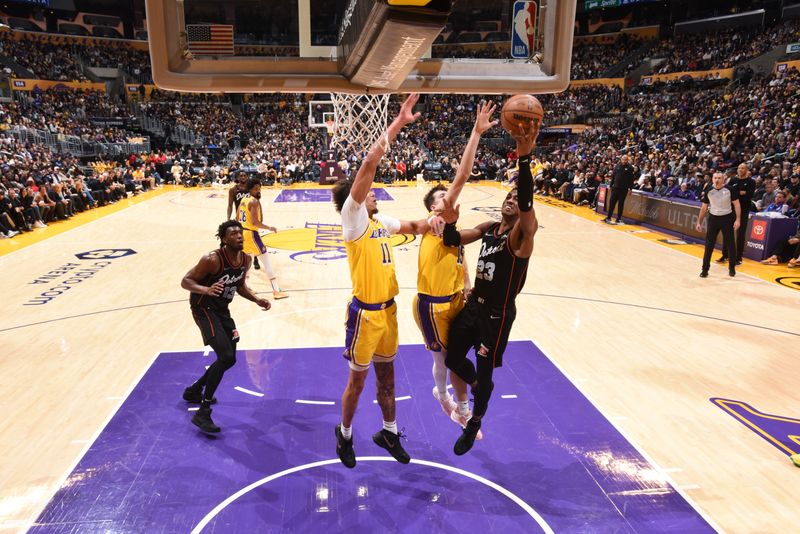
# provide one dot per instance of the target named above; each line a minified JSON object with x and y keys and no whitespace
{"x":523,"y":29}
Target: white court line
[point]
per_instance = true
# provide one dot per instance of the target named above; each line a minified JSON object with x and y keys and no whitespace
{"x":636,"y":446}
{"x":508,"y":396}
{"x":193,"y":409}
{"x":206,"y":352}
{"x":405,"y":397}
{"x":249,"y":391}
{"x":325,"y":403}
{"x":247,"y":489}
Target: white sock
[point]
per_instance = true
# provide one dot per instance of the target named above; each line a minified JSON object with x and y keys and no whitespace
{"x":463,"y":407}
{"x":391,"y":426}
{"x":267,"y":265}
{"x":347,"y":431}
{"x":439,"y":374}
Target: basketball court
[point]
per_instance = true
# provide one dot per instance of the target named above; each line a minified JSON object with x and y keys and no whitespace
{"x":634,"y":397}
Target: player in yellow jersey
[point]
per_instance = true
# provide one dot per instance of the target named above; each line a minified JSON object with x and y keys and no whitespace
{"x":442,"y":280}
{"x":371,"y":322}
{"x":250,"y":216}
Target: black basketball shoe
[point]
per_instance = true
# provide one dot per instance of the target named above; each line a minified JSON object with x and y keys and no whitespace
{"x":202,"y":419}
{"x":194,"y":396}
{"x":391,"y":442}
{"x":256,"y":266}
{"x":344,"y":448}
{"x":467,"y":439}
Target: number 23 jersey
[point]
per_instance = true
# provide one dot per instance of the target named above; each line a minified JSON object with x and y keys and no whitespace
{"x":499,"y":274}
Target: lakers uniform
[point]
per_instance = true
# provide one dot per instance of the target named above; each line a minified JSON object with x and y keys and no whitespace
{"x":371,"y":320}
{"x":252,"y":240}
{"x":440,"y":283}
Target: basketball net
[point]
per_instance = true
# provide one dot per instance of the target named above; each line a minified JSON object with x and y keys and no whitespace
{"x":359,"y":119}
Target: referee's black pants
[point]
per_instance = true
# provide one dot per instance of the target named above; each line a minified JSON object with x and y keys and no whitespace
{"x":717,"y":224}
{"x":616,"y":199}
{"x":741,"y":236}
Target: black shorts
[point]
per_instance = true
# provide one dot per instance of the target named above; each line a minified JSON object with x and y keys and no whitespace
{"x":485,"y":328}
{"x":217,"y":327}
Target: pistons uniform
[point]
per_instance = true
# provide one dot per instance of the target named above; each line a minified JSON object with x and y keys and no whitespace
{"x":440,"y":286}
{"x":240,"y":195}
{"x":371,"y":318}
{"x":252,"y":240}
{"x":211,"y":313}
{"x":485,"y":323}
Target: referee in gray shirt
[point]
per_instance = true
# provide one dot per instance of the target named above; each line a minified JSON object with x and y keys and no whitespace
{"x":722,"y":205}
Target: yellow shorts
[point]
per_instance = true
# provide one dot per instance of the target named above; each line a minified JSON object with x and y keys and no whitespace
{"x":253,"y":244}
{"x":371,"y":335}
{"x":434,"y":318}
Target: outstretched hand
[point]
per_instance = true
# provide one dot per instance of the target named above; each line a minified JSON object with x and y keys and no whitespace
{"x":449,"y":213}
{"x":407,"y":115}
{"x":264,"y":304}
{"x":527,"y":140}
{"x":484,"y":119}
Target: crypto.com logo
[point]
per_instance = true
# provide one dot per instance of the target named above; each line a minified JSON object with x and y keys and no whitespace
{"x":105,"y":254}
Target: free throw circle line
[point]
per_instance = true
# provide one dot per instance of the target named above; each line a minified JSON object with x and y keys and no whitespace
{"x":500,"y":489}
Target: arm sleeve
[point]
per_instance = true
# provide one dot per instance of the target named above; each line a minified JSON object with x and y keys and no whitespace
{"x":391,"y":224}
{"x":451,"y":237}
{"x":354,"y":219}
{"x":525,"y":184}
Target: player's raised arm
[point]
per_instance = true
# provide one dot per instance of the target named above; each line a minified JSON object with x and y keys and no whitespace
{"x":366,"y":173}
{"x":521,"y":237}
{"x":483,"y":122}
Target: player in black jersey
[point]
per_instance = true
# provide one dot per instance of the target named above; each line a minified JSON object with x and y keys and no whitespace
{"x":213,"y":282}
{"x":485,"y":322}
{"x":235,"y":196}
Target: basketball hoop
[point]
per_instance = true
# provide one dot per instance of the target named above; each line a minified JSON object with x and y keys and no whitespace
{"x":360,"y":119}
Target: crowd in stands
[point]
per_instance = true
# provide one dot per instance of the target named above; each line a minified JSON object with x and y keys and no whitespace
{"x":63,"y":111}
{"x":43,"y":55}
{"x":590,"y":60}
{"x":119,"y":56}
{"x":722,"y":49}
{"x":676,"y":141}
{"x":676,"y":134}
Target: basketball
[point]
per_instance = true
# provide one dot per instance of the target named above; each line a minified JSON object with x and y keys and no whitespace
{"x":519,"y":112}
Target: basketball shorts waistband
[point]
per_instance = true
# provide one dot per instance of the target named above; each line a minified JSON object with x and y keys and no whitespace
{"x":435,"y":300}
{"x":373,"y":307}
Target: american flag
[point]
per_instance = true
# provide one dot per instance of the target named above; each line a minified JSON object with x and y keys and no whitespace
{"x":210,"y":39}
